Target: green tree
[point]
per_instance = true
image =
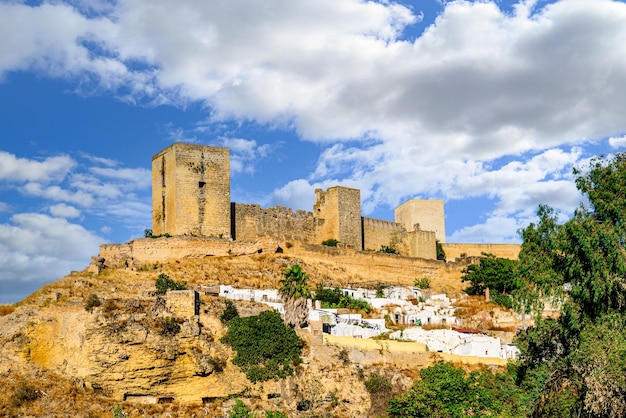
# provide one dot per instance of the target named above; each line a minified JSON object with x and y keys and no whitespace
{"x":295,"y":290}
{"x":266,"y":348}
{"x":495,"y":273}
{"x":330,"y":242}
{"x":163,"y":283}
{"x":575,"y":365}
{"x":230,"y":312}
{"x":446,"y":391}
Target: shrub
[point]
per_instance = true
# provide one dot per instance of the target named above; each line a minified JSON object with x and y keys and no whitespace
{"x":387,"y":249}
{"x":241,"y":410}
{"x":274,"y":414}
{"x":335,"y":298}
{"x":377,"y":384}
{"x":441,"y":254}
{"x":168,"y":325}
{"x":92,"y":301}
{"x":25,"y":393}
{"x":330,"y":242}
{"x":380,"y":290}
{"x":163,"y":283}
{"x":266,"y":347}
{"x":230,"y":312}
{"x":422,"y":283}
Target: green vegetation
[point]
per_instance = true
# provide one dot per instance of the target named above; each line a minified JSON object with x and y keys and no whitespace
{"x":147,"y":233}
{"x":168,"y":325}
{"x":422,"y":283}
{"x":295,"y":290}
{"x":163,"y":283}
{"x":496,"y":273}
{"x":92,"y":301}
{"x":330,"y":242}
{"x":380,"y":290}
{"x":377,"y":384}
{"x":446,"y":391}
{"x":230,"y":312}
{"x":387,"y":249}
{"x":266,"y":348}
{"x":441,"y":254}
{"x":335,"y":298}
{"x":574,"y":365}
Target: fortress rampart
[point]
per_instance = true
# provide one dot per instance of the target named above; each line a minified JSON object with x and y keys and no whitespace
{"x":191,"y":202}
{"x":250,"y":221}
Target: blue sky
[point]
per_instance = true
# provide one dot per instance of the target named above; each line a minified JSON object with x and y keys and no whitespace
{"x":485,"y":104}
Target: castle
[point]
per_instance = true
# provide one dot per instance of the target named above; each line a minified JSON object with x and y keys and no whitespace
{"x":191,"y":196}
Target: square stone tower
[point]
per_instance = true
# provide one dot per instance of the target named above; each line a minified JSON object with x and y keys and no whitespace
{"x":338,"y":213}
{"x":191,"y":191}
{"x":427,"y":213}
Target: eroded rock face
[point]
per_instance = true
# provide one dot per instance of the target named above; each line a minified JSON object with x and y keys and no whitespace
{"x":127,"y":347}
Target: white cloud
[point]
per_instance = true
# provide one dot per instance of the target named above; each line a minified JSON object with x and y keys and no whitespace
{"x":64,"y":211}
{"x":433,"y":117}
{"x":16,"y":169}
{"x":244,"y":153}
{"x":37,"y":248}
{"x":617,"y":142}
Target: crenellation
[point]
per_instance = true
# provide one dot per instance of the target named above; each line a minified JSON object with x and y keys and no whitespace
{"x":191,"y":197}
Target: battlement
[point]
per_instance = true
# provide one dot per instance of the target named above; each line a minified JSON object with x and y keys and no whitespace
{"x":191,"y":197}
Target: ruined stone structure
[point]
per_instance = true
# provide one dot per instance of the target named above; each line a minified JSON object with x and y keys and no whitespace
{"x":191,"y":196}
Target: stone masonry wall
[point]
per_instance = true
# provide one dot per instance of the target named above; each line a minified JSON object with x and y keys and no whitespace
{"x":423,"y":244}
{"x":251,"y":221}
{"x":454,"y":251}
{"x":338,"y":215}
{"x":191,"y":191}
{"x":377,"y":233}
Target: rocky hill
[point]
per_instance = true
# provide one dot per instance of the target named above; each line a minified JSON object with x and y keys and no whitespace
{"x":91,"y":342}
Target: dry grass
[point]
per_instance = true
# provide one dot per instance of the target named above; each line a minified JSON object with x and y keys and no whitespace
{"x":428,"y":327}
{"x":6,"y":309}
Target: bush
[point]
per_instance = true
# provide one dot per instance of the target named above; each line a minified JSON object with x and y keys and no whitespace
{"x":266,"y":347}
{"x":230,"y":312}
{"x":335,"y":298}
{"x":168,"y":325}
{"x":422,"y":283}
{"x":330,"y":242}
{"x":25,"y":393}
{"x":387,"y":249}
{"x":241,"y":410}
{"x":377,"y":384}
{"x":93,"y":301}
{"x":163,"y":283}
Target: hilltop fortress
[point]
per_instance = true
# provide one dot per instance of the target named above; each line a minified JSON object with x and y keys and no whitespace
{"x":191,"y":197}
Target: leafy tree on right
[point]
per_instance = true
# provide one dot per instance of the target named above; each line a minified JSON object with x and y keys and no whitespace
{"x":576,"y":365}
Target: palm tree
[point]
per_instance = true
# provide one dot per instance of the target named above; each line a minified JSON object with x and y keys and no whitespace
{"x":294,"y":289}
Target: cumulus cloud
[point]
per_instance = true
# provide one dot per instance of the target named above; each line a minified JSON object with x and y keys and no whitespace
{"x":16,"y":169}
{"x":457,"y":112}
{"x":64,"y":211}
{"x":244,"y":153}
{"x":36,"y":248}
{"x":617,"y":142}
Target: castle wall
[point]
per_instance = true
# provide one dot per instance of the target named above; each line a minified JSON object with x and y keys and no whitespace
{"x":152,"y":250}
{"x":423,"y":244}
{"x":377,"y":233}
{"x":338,"y":213}
{"x":191,"y":191}
{"x":250,"y":222}
{"x":454,"y":251}
{"x":429,"y":214}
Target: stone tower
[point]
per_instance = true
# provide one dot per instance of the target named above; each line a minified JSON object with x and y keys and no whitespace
{"x":191,"y":191}
{"x":338,"y":213}
{"x":427,"y":213}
